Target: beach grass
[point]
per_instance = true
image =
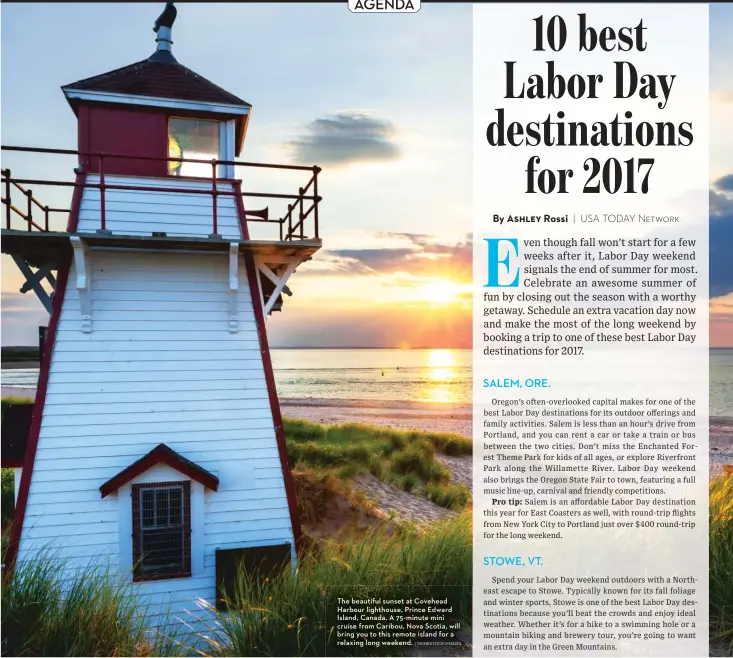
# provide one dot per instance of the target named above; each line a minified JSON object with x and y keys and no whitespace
{"x":406,"y":459}
{"x":7,"y":496}
{"x":290,"y":614}
{"x":91,"y":615}
{"x":12,"y":399}
{"x":293,"y":614}
{"x":721,"y":565}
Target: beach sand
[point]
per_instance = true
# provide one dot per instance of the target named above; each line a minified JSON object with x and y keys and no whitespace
{"x":721,"y":444}
{"x":425,"y":416}
{"x":18,"y":392}
{"x":440,"y":417}
{"x":428,"y":417}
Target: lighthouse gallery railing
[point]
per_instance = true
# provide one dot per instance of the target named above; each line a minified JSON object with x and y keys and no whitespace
{"x":292,"y":224}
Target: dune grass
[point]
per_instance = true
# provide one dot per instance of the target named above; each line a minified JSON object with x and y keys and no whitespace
{"x":293,"y":614}
{"x":406,"y":459}
{"x":721,"y":564}
{"x":13,"y":399}
{"x":7,"y":496}
{"x":290,"y":614}
{"x":93,"y":615}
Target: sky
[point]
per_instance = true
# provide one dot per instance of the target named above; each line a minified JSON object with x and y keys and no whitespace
{"x":381,"y":102}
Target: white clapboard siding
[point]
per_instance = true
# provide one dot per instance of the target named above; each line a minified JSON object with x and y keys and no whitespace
{"x":123,"y":453}
{"x":159,"y":366}
{"x":145,"y":429}
{"x":221,"y":439}
{"x":155,"y":378}
{"x":142,"y":397}
{"x":130,"y":212}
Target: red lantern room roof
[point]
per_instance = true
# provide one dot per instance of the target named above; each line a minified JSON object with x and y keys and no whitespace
{"x":157,"y":77}
{"x":161,"y":81}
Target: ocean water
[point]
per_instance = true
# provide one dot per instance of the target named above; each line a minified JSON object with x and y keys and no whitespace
{"x":439,"y":375}
{"x":369,"y":374}
{"x":411,"y":375}
{"x":721,"y":382}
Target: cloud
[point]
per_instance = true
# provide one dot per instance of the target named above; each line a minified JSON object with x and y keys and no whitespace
{"x":720,"y":204}
{"x":724,"y":96}
{"x":721,"y":321}
{"x":724,"y":183}
{"x":721,"y":236}
{"x":423,"y":255}
{"x":331,"y":263}
{"x":389,"y":326}
{"x":22,"y":315}
{"x":346,"y":138}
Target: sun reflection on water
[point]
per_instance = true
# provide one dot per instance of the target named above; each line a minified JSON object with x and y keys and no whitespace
{"x":441,"y":377}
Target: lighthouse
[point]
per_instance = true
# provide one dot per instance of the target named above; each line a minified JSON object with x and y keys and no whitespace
{"x":155,"y":444}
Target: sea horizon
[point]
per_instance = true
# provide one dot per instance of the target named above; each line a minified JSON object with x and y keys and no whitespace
{"x":391,"y":374}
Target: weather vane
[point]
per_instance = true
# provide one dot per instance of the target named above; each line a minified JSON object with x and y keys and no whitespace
{"x":167,"y":18}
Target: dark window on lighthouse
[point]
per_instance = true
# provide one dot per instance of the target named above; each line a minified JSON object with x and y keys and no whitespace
{"x":192,"y":139}
{"x":161,"y":530}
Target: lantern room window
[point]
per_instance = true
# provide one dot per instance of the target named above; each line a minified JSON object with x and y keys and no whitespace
{"x":161,"y":521}
{"x":197,"y":139}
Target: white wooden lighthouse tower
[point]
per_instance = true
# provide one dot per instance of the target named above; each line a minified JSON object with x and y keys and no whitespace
{"x":156,"y":442}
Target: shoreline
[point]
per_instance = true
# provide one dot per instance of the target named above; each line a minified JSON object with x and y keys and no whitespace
{"x":456,"y":418}
{"x":450,"y":417}
{"x":21,"y":365}
{"x":407,"y":408}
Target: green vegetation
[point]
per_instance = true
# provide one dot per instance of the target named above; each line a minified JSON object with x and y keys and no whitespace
{"x":22,"y":353}
{"x":290,"y":614}
{"x":91,"y":616}
{"x":287,"y":615}
{"x":406,"y":459}
{"x":7,"y":496}
{"x":721,"y":564}
{"x":7,"y":492}
{"x":9,"y":399}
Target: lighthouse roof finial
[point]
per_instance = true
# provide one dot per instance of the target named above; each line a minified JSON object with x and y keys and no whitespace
{"x":167,"y":18}
{"x":162,"y":29}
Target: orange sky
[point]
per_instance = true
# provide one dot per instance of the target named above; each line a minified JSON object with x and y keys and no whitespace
{"x":396,"y":265}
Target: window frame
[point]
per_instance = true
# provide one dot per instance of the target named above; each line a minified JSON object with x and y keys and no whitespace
{"x":139,"y":574}
{"x":221,"y":148}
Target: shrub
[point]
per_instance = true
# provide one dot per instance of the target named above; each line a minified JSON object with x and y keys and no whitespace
{"x":452,"y":496}
{"x":410,"y":482}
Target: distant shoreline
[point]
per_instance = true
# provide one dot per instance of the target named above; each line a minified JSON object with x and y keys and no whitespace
{"x":456,"y":418}
{"x":21,"y":365}
{"x":7,"y":352}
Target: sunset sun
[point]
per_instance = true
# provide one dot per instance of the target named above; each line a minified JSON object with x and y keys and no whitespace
{"x":441,"y":291}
